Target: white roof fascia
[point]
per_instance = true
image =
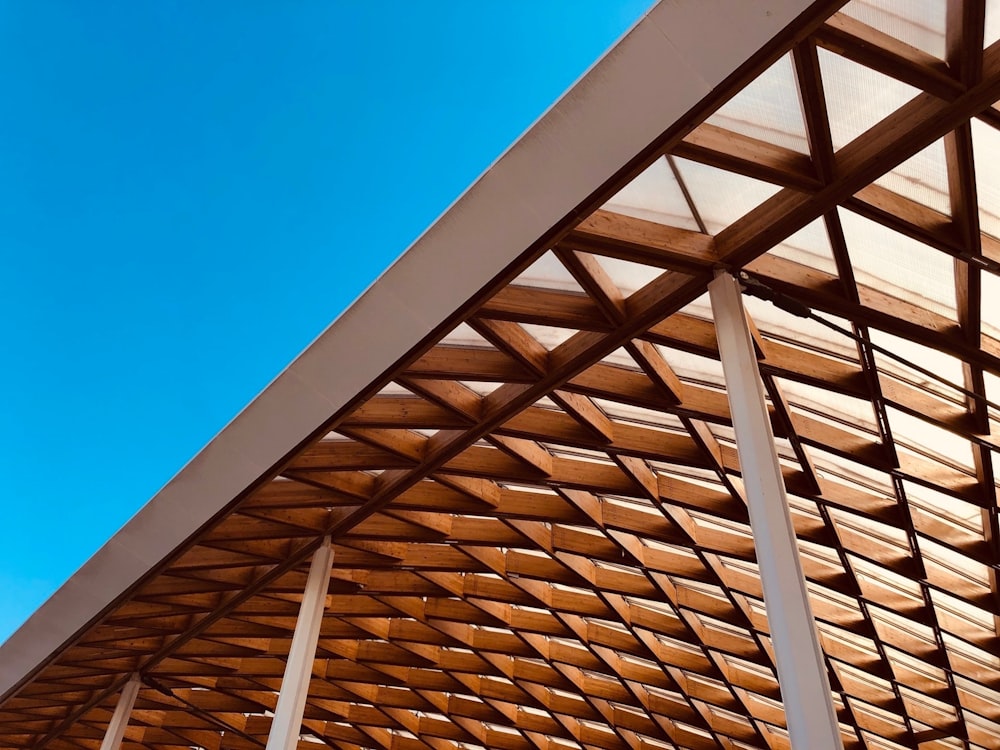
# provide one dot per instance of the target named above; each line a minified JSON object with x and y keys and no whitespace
{"x":671,"y":59}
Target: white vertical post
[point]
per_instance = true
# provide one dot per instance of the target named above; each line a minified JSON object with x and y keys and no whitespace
{"x":287,"y":723}
{"x":119,"y":719}
{"x":805,"y":687}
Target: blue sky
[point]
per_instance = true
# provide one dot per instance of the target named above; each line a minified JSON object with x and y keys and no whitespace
{"x":190,"y":192}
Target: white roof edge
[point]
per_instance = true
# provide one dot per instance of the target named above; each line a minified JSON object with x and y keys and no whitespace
{"x":664,"y":66}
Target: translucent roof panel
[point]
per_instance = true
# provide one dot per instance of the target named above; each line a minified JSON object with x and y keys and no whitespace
{"x":992,"y":22}
{"x":776,"y":323}
{"x":619,"y":358}
{"x":990,"y":304}
{"x":706,"y":184}
{"x":852,"y":473}
{"x":693,"y":366}
{"x":930,"y":440}
{"x":892,"y":262}
{"x":940,"y":363}
{"x":548,"y":272}
{"x":986,"y":144}
{"x":858,"y":97}
{"x":464,"y":335}
{"x":548,"y":336}
{"x":918,"y":23}
{"x":629,"y":276}
{"x":952,"y":509}
{"x":854,"y":411}
{"x":809,"y":246}
{"x":762,"y":110}
{"x":654,"y":195}
{"x":922,"y":178}
{"x":993,"y":394}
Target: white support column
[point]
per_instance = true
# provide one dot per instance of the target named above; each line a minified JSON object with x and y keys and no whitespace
{"x":805,"y":687}
{"x":119,"y":719}
{"x":287,"y":721}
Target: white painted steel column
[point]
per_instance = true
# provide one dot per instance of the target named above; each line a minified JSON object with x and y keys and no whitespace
{"x":119,"y":719}
{"x":287,"y":723}
{"x":805,"y":687}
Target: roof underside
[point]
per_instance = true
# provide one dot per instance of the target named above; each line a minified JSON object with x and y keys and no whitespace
{"x":540,"y":535}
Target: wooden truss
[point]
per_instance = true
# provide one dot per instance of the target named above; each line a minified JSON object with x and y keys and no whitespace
{"x":540,"y":536}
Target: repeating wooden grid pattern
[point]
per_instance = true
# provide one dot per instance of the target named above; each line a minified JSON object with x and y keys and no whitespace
{"x":540,"y":534}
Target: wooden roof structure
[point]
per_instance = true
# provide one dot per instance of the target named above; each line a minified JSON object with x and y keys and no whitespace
{"x":540,"y":534}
